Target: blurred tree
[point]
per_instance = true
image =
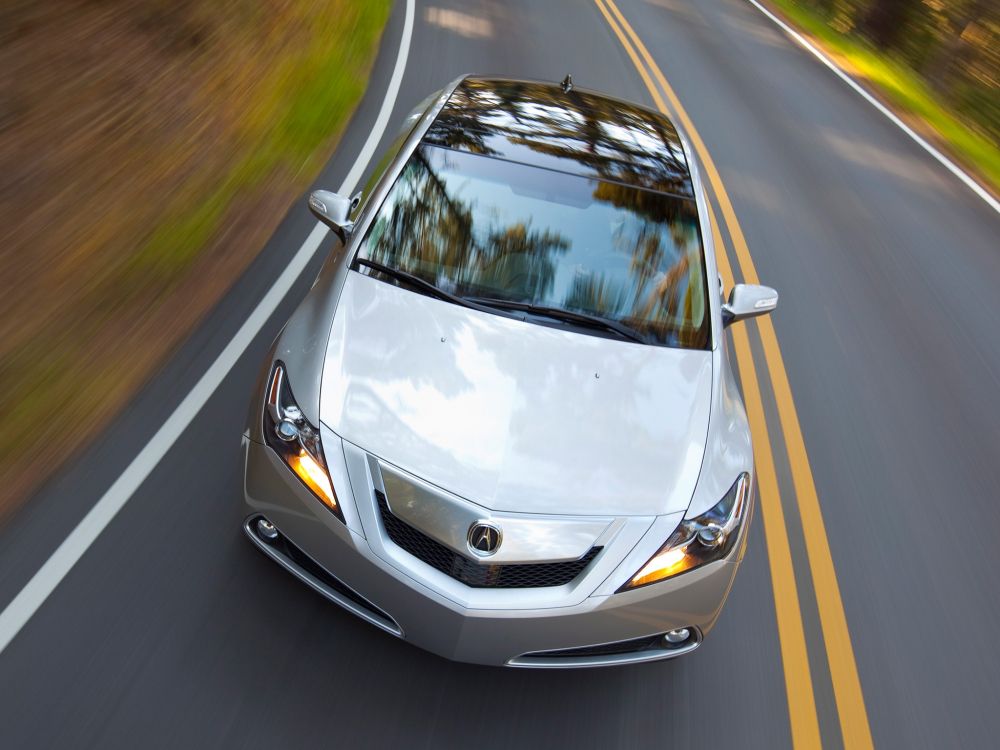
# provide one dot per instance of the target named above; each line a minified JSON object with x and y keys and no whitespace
{"x":967,"y":47}
{"x":885,"y":20}
{"x":954,"y":45}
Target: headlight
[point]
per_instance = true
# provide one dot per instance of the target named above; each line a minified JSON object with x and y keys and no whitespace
{"x":700,"y":540}
{"x":296,"y":441}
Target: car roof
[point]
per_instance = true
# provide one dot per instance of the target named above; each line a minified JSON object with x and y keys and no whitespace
{"x":576,"y":131}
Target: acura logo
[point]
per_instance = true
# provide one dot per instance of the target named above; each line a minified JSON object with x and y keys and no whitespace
{"x":484,"y":538}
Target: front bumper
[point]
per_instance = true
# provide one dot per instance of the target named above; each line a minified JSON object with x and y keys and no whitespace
{"x":359,"y":580}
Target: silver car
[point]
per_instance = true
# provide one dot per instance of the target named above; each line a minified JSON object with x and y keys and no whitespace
{"x":503,"y":424}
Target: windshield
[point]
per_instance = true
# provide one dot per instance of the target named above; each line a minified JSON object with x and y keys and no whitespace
{"x":489,"y":229}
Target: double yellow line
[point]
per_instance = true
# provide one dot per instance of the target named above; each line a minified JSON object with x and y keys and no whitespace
{"x":836,"y":636}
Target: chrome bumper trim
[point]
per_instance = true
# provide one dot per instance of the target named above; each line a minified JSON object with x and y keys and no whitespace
{"x":540,"y":660}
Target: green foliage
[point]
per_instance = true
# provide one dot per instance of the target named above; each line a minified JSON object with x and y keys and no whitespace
{"x":189,"y":126}
{"x":938,"y":60}
{"x":302,"y":106}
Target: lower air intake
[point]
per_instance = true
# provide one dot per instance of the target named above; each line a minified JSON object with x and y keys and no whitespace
{"x":632,"y":651}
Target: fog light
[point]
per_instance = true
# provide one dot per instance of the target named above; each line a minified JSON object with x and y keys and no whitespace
{"x":266,"y":529}
{"x":677,"y":636}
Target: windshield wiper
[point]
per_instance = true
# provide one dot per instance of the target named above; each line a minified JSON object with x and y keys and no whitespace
{"x":422,"y":284}
{"x":558,"y":313}
{"x":496,"y":304}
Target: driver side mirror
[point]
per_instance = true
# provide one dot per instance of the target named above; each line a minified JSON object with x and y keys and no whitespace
{"x":748,"y":301}
{"x":334,"y":211}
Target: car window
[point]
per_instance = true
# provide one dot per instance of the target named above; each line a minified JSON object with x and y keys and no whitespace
{"x":487,"y":228}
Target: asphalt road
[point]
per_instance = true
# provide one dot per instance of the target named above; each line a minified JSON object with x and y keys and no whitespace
{"x":172,"y":631}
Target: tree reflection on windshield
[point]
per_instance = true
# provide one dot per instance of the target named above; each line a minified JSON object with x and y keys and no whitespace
{"x":577,"y":132}
{"x":483,"y":227}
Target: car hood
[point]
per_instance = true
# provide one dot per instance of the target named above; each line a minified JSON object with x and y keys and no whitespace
{"x":511,"y":415}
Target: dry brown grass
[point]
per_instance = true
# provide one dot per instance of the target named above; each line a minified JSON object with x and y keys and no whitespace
{"x":147,"y":150}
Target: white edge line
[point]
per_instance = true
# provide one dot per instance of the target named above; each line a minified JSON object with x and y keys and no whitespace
{"x":73,"y":547}
{"x":947,"y":163}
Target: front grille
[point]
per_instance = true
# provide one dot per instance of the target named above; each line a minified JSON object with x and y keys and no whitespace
{"x":474,"y":573}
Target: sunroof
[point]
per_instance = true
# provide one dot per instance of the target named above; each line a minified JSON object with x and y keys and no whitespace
{"x":577,"y":132}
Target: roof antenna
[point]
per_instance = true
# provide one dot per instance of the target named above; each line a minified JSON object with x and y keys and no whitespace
{"x":567,"y":84}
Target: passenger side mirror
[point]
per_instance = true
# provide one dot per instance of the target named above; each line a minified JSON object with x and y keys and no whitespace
{"x":748,"y":301}
{"x":334,"y":211}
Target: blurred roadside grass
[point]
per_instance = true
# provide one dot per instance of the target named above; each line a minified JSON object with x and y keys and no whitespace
{"x":306,"y":97}
{"x":197,"y":123}
{"x":902,"y":87}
